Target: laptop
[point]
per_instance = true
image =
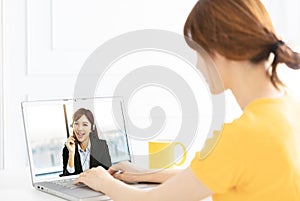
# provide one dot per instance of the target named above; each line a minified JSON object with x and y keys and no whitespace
{"x":48,"y":124}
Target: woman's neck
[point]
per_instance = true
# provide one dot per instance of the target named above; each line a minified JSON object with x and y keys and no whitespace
{"x":252,"y":82}
{"x":83,"y":145}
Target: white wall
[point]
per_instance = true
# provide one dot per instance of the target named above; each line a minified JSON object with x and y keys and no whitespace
{"x":46,"y":42}
{"x":1,"y":91}
{"x":286,"y":16}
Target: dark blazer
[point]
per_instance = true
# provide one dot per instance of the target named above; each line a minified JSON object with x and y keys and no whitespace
{"x":99,"y":156}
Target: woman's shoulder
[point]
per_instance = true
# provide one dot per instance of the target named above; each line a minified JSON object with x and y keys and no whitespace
{"x":101,"y":141}
{"x":264,"y":117}
{"x":96,"y":139}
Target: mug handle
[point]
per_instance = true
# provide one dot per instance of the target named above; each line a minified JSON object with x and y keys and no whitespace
{"x":184,"y":154}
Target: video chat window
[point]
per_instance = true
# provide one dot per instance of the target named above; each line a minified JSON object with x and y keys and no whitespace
{"x":50,"y":124}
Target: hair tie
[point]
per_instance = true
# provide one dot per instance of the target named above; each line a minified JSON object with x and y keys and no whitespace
{"x":276,"y":45}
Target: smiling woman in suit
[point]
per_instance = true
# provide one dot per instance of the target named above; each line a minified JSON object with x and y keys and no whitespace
{"x":84,"y":150}
{"x":257,"y":156}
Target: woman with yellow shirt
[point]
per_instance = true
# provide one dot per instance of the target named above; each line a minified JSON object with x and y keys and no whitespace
{"x":257,"y":156}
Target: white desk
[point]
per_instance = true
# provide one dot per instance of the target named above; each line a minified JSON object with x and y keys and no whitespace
{"x":15,"y":185}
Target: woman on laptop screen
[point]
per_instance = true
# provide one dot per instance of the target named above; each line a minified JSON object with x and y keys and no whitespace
{"x":256,"y":157}
{"x":84,"y":150}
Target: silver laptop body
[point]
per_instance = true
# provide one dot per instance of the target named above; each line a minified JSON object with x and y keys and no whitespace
{"x":47,"y":128}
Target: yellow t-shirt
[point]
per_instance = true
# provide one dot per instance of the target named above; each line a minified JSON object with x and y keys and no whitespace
{"x":256,"y":157}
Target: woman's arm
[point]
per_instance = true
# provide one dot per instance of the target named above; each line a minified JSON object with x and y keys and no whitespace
{"x":182,"y":186}
{"x":128,"y":173}
{"x":71,"y":159}
{"x":68,"y":162}
{"x":158,"y":176}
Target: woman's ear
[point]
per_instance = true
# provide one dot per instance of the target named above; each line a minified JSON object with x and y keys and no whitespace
{"x":270,"y":60}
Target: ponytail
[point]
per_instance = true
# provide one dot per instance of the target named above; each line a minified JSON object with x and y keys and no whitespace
{"x":283,"y":54}
{"x":218,"y":25}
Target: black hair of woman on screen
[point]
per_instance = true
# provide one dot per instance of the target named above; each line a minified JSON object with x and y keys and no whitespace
{"x":84,"y":150}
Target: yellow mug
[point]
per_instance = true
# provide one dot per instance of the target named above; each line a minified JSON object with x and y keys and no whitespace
{"x":161,"y":154}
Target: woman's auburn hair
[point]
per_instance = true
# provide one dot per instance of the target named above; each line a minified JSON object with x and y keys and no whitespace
{"x":238,"y":30}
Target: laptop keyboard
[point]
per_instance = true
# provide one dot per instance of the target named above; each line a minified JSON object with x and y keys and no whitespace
{"x":68,"y":183}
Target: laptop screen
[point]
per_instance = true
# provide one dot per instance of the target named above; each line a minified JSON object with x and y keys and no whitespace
{"x":49,"y":124}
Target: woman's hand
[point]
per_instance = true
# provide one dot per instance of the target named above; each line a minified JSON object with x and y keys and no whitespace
{"x":128,"y":173}
{"x":95,"y":178}
{"x":71,"y":144}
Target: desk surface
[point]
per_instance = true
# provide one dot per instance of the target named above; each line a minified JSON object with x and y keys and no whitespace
{"x":16,"y":185}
